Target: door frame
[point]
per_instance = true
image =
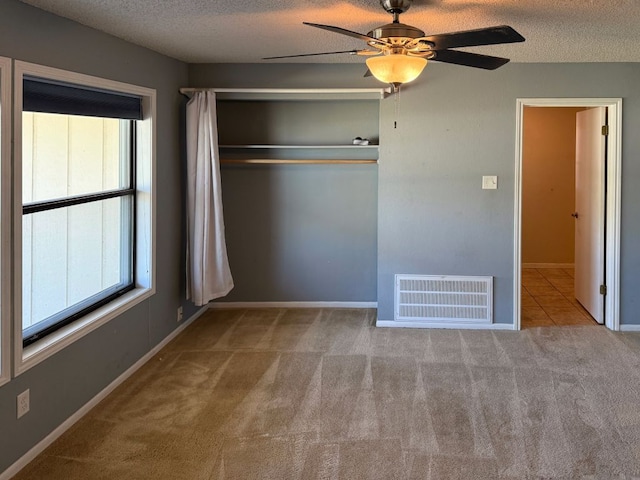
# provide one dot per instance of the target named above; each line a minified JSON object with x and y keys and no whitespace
{"x":612,"y":208}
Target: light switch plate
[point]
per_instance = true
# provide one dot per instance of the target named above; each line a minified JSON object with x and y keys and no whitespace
{"x":490,"y":182}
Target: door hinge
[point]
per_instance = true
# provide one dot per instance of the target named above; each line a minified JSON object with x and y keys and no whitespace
{"x":605,"y":130}
{"x":603,"y":289}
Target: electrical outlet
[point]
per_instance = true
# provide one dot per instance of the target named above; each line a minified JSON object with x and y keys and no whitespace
{"x":23,"y":403}
{"x":179,"y":314}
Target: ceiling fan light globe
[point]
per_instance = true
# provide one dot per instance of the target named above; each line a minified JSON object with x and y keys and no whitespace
{"x":396,"y":69}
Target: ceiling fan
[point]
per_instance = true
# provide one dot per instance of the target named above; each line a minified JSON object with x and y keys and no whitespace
{"x":398,"y":52}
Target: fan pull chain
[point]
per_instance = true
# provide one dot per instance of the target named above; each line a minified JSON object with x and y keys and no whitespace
{"x":396,"y":100}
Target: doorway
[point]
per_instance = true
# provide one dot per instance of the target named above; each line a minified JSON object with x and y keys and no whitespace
{"x":560,"y":278}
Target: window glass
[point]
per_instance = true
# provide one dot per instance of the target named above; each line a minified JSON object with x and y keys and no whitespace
{"x":78,"y":216}
{"x":67,"y":155}
{"x":88,"y":259}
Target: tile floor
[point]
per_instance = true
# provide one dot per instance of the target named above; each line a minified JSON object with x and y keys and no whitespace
{"x":547,"y":299}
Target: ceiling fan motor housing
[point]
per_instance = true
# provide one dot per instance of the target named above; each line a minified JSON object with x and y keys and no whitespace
{"x":398,"y":30}
{"x":396,"y":33}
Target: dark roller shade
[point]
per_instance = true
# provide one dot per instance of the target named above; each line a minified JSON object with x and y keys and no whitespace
{"x":49,"y":96}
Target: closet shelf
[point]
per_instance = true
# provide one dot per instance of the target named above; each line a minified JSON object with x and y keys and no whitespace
{"x":281,"y":161}
{"x":257,"y":146}
{"x":308,"y":127}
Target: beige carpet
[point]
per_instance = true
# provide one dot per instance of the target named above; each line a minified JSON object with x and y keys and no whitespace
{"x":322,"y":394}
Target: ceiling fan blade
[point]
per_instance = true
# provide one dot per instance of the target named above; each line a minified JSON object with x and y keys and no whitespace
{"x":469,"y":59}
{"x":472,"y":38}
{"x":349,"y":33}
{"x":351,"y":52}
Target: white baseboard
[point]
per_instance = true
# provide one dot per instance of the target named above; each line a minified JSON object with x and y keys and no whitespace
{"x":630,"y":328}
{"x":548,"y":265}
{"x":218,"y":305}
{"x":457,"y":326}
{"x":69,"y":422}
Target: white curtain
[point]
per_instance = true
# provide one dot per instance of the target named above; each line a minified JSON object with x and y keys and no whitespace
{"x":208,"y":274}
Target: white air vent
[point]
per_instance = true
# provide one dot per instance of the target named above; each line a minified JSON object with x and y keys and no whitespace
{"x":444,"y":299}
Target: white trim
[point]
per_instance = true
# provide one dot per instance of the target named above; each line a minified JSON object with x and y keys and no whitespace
{"x":630,"y":328}
{"x":82,"y":411}
{"x":221,"y":305}
{"x":5,"y":216}
{"x":145,"y":216}
{"x":548,"y":265}
{"x":613,"y":207}
{"x":436,"y":325}
{"x":79,"y":78}
{"x":51,"y":344}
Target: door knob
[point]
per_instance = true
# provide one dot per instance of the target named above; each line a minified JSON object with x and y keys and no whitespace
{"x":574,"y":214}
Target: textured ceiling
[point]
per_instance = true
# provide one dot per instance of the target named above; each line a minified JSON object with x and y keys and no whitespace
{"x":203,"y":31}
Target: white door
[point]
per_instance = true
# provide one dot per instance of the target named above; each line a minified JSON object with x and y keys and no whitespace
{"x":590,"y":210}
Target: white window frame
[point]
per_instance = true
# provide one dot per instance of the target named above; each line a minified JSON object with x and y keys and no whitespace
{"x":5,"y":218}
{"x":25,"y":358}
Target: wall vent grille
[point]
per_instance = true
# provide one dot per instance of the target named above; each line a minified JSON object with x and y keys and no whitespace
{"x":444,"y":299}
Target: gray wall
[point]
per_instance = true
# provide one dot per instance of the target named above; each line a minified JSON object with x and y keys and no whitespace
{"x":301,"y":232}
{"x":66,"y":381}
{"x":454,"y":125}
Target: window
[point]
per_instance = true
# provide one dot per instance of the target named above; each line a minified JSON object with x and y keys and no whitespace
{"x":78,"y":200}
{"x":5,"y":214}
{"x":85,"y":223}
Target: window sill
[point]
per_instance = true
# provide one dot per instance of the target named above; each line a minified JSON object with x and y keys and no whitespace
{"x":53,"y":343}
